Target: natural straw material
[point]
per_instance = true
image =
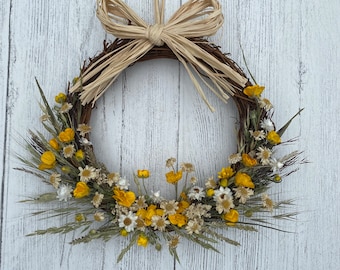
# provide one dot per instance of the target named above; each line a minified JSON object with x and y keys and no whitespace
{"x":194,"y":19}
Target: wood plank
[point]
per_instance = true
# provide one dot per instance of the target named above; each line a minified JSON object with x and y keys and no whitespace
{"x":319,"y":130}
{"x":5,"y":11}
{"x":41,"y":48}
{"x":4,"y":58}
{"x":153,"y":112}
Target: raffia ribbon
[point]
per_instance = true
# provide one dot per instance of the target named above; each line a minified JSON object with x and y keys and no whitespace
{"x":195,"y":18}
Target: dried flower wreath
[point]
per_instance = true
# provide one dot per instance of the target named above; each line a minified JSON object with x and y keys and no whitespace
{"x":101,"y":201}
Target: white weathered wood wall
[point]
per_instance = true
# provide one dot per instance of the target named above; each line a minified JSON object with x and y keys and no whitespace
{"x":153,"y":112}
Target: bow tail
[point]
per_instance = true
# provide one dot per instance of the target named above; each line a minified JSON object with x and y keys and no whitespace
{"x":222,"y":76}
{"x":196,"y":83}
{"x":101,"y":74}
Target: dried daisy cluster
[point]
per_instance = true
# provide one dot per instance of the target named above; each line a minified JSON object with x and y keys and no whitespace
{"x":104,"y":206}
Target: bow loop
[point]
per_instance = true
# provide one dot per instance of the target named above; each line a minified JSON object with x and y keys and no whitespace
{"x":197,"y":18}
{"x":120,"y":20}
{"x":194,"y":19}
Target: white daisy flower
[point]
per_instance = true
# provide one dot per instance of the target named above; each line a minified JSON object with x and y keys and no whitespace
{"x":68,"y":151}
{"x":66,"y":107}
{"x":173,"y":242}
{"x":140,"y":203}
{"x":194,"y":226}
{"x":97,"y":199}
{"x":196,"y":193}
{"x":99,"y":216}
{"x":170,"y":162}
{"x":123,"y":183}
{"x":55,"y":180}
{"x":199,"y":210}
{"x":112,"y":178}
{"x":83,"y":129}
{"x":156,"y":196}
{"x":187,"y":167}
{"x":265,"y":104}
{"x":267,"y":124}
{"x":191,"y":212}
{"x":275,"y":164}
{"x":258,"y":135}
{"x":87,"y":173}
{"x":101,"y":177}
{"x":193,"y":180}
{"x":234,"y":158}
{"x":222,"y":193}
{"x":64,"y":193}
{"x":140,"y":224}
{"x":159,"y":223}
{"x":210,"y":183}
{"x":243,"y":193}
{"x":85,"y":142}
{"x":120,"y":210}
{"x":267,"y":202}
{"x":128,"y":222}
{"x":169,"y":207}
{"x":224,"y":205}
{"x":264,"y":154}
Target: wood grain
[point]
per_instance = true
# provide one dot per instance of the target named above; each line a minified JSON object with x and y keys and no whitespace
{"x":153,"y":112}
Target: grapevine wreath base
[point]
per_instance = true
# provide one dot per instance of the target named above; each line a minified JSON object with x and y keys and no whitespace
{"x":100,"y":202}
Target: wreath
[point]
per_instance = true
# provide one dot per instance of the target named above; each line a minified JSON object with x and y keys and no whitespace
{"x":100,"y":202}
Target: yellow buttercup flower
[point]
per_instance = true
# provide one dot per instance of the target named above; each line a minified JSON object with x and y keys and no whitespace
{"x":183,"y":195}
{"x":48,"y":161}
{"x":124,"y":198}
{"x":182,"y":205}
{"x":211,"y":192}
{"x":142,"y":240}
{"x":124,"y":232}
{"x":231,"y":216}
{"x":224,"y":182}
{"x":178,"y":219}
{"x":143,"y":173}
{"x":150,"y":212}
{"x":248,"y":160}
{"x":253,"y":90}
{"x":159,"y":212}
{"x":146,"y":215}
{"x":152,"y":207}
{"x":48,"y":158}
{"x":273,"y":137}
{"x":141,"y":213}
{"x":79,"y":155}
{"x":54,"y":144}
{"x":172,"y":177}
{"x":81,"y":190}
{"x":243,"y":180}
{"x":226,"y":173}
{"x":67,"y":135}
{"x":60,"y":98}
{"x":277,"y":178}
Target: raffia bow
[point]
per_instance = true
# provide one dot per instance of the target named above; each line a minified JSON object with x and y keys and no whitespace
{"x":195,"y":18}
